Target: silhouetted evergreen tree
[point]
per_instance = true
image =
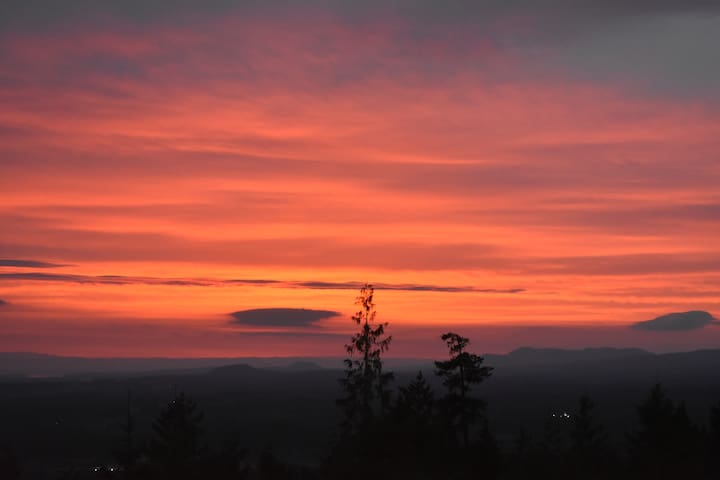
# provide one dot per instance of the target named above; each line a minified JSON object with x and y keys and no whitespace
{"x":416,"y":435}
{"x":363,"y":449}
{"x":688,"y":437}
{"x":459,"y":374}
{"x":176,"y":435}
{"x":551,"y":457}
{"x":365,"y":384}
{"x":128,"y":451}
{"x":589,"y":453}
{"x":666,"y":444}
{"x":415,"y":401}
{"x":586,"y":435}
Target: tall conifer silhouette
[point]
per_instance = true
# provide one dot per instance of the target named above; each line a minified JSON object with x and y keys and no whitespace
{"x":366,"y":384}
{"x":459,"y":374}
{"x":128,"y":451}
{"x":667,"y":444}
{"x":586,"y":435}
{"x":176,"y":437}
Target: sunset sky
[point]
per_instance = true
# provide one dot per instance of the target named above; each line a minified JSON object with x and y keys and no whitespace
{"x":541,"y":173}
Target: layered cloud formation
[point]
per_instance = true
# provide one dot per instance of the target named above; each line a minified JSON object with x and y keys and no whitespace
{"x":27,"y":263}
{"x":677,"y":322}
{"x":487,"y":164}
{"x":281,"y":317}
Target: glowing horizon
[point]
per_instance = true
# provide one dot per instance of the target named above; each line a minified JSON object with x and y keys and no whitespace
{"x":506,"y":172}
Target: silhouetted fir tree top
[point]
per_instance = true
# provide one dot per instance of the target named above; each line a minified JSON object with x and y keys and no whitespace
{"x":590,"y":452}
{"x":651,"y":441}
{"x":416,"y":438}
{"x":463,"y":370}
{"x":365,"y":384}
{"x":667,"y":443}
{"x":415,"y":401}
{"x":128,"y":452}
{"x":176,"y":433}
{"x":586,"y":435}
{"x":687,"y":436}
{"x":657,"y":409}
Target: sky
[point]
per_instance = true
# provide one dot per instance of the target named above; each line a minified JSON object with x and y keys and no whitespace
{"x":219,"y":178}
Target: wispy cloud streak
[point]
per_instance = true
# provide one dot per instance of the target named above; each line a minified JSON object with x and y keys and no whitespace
{"x":28,"y":263}
{"x":257,"y":282}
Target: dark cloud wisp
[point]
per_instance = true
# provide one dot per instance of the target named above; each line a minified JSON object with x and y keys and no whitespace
{"x":678,"y":322}
{"x":201,"y":282}
{"x":402,"y":287}
{"x":280,"y":317}
{"x":14,"y":262}
{"x":100,"y":279}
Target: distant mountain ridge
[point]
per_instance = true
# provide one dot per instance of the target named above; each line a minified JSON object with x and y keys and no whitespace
{"x":27,"y":364}
{"x":530,"y":355}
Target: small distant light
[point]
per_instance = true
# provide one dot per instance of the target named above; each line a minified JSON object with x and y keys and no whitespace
{"x":112,"y":469}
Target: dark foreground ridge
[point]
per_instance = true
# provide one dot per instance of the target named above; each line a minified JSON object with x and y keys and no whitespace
{"x":533,"y":413}
{"x":284,"y":414}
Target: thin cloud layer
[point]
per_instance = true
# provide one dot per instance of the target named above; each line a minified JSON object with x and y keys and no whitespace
{"x":678,"y":322}
{"x":28,"y":263}
{"x":257,"y":282}
{"x":281,"y":317}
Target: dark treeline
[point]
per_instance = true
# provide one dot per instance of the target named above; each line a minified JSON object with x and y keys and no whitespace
{"x":416,"y":431}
